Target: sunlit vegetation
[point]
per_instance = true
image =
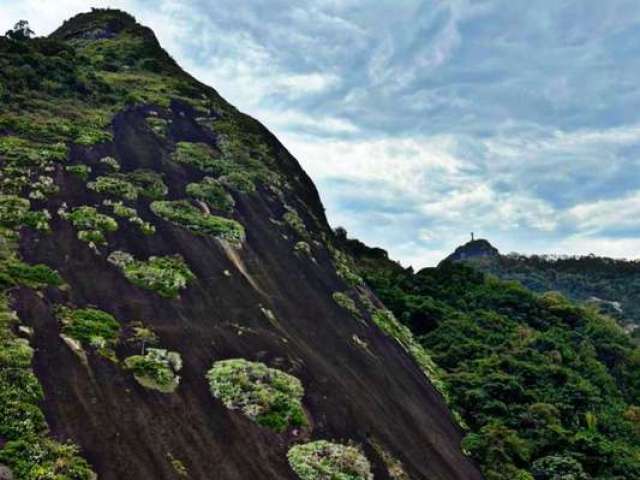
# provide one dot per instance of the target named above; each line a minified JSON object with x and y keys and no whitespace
{"x":131,"y":214}
{"x":92,"y":226}
{"x":268,"y":396}
{"x":16,"y":212}
{"x":91,"y":327}
{"x":323,"y":460}
{"x":157,"y":369}
{"x":166,"y":276}
{"x":80,"y":171}
{"x":211,"y":191}
{"x":182,"y":213}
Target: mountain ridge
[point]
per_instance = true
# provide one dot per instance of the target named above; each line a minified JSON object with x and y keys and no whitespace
{"x":174,"y":290}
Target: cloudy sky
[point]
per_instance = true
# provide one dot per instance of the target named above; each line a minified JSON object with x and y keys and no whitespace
{"x":420,"y":120}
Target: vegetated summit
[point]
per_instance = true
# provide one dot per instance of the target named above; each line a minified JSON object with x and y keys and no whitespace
{"x":174,"y":302}
{"x":612,"y":285}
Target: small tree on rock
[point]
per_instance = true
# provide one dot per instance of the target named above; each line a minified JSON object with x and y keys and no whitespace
{"x":20,"y":31}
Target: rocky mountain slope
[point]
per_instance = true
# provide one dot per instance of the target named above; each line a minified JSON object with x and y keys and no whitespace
{"x":174,"y":303}
{"x":612,"y":285}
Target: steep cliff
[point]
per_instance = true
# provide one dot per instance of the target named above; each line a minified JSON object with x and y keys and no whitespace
{"x":179,"y":295}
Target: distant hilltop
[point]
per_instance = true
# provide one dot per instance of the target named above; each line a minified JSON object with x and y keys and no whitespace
{"x":473,"y":249}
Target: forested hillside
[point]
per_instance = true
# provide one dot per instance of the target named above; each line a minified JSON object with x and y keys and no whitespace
{"x":548,"y":389}
{"x":610,"y":284}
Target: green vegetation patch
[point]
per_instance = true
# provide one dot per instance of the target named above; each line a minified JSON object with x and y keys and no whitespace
{"x":92,"y":226}
{"x":160,"y":126}
{"x":294,"y":221}
{"x":148,"y":182}
{"x":238,"y":166}
{"x":131,"y":214}
{"x":200,"y":156}
{"x":268,"y":396}
{"x":91,"y":327}
{"x":130,"y":185}
{"x":111,"y":163}
{"x":16,"y":272}
{"x":116,"y":185}
{"x":164,"y":275}
{"x":157,"y":369}
{"x":240,"y":181}
{"x":302,"y":248}
{"x":80,"y":171}
{"x":547,"y":388}
{"x":323,"y":460}
{"x":213,"y":193}
{"x":35,"y":458}
{"x":15,"y":212}
{"x":346,"y":302}
{"x":182,"y":213}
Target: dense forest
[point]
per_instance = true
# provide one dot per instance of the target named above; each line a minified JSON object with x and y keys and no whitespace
{"x":548,"y":389}
{"x":613,"y":285}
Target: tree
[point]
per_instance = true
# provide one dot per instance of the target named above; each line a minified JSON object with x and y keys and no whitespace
{"x":20,"y":31}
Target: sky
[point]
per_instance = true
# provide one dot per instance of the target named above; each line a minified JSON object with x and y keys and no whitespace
{"x":423,"y":120}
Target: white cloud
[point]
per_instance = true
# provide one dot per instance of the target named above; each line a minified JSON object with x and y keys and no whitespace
{"x":438,"y":117}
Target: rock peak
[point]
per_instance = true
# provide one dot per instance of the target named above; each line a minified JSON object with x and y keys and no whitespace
{"x":97,"y":24}
{"x":473,"y":249}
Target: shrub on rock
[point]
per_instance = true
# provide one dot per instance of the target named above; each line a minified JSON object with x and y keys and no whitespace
{"x":268,"y":396}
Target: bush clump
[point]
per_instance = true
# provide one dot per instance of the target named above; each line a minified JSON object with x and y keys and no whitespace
{"x":80,"y":171}
{"x":35,"y":458}
{"x":158,"y":125}
{"x":116,"y":185}
{"x":163,"y":275}
{"x":149,"y":183}
{"x":15,"y":212}
{"x":323,"y":460}
{"x":240,"y":181}
{"x":213,"y":193}
{"x":268,"y":396}
{"x":16,"y":272}
{"x":131,"y":214}
{"x":198,"y":155}
{"x":130,"y":185}
{"x":557,"y":467}
{"x":294,"y":221}
{"x":92,"y":226}
{"x":157,"y":369}
{"x":90,"y":326}
{"x":181,"y":212}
